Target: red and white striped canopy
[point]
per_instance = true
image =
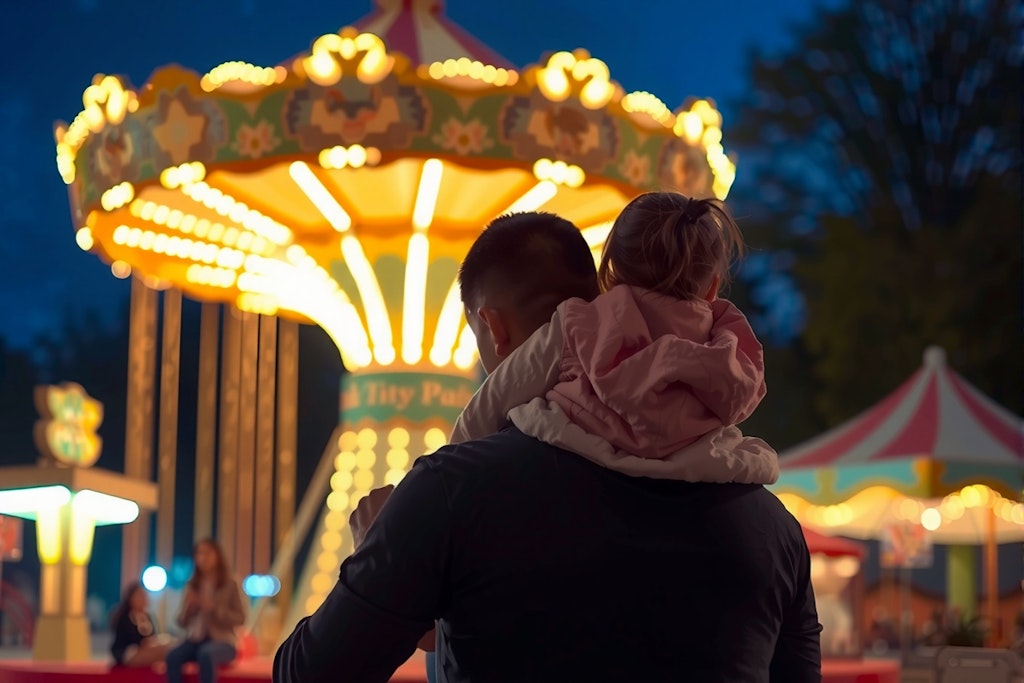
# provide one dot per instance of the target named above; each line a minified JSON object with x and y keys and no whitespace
{"x":419,"y":30}
{"x":935,"y":414}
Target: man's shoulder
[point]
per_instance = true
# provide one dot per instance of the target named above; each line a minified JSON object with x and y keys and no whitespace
{"x":506,"y":449}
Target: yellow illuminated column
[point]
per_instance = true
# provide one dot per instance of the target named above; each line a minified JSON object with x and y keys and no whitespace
{"x":65,"y":533}
{"x":389,"y":419}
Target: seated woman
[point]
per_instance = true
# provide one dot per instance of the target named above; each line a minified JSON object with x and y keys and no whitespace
{"x":136,"y":642}
{"x":211,"y":610}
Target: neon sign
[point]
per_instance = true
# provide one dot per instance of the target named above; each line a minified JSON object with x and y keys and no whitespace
{"x":67,"y":431}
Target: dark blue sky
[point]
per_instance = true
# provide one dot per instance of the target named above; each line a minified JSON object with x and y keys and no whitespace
{"x":50,"y":50}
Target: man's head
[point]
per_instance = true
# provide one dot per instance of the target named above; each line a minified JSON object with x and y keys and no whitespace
{"x":516,"y":273}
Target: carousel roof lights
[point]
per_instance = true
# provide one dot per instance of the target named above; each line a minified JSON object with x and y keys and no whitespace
{"x":117,"y":196}
{"x":333,"y":53}
{"x":577,"y":74}
{"x":84,"y":239}
{"x":242,"y":72}
{"x":356,"y":156}
{"x":559,"y":172}
{"x":645,"y":104}
{"x":466,"y":68}
{"x":400,"y":143}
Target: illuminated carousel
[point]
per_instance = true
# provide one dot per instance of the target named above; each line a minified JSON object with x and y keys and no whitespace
{"x":342,"y":188}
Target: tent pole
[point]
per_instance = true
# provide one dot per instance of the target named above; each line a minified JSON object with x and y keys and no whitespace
{"x":992,"y":579}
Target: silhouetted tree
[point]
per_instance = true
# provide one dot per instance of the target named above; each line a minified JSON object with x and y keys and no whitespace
{"x":886,"y":152}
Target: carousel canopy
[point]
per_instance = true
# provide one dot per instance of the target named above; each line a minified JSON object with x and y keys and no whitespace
{"x":420,"y":30}
{"x":936,"y":452}
{"x":343,"y":187}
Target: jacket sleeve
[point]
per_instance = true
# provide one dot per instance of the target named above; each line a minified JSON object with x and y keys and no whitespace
{"x":528,"y":372}
{"x":387,"y":596}
{"x":229,"y":611}
{"x":184,"y":612}
{"x":797,"y":657}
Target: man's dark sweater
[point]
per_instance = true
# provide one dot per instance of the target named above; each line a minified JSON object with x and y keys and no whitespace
{"x":542,"y":566}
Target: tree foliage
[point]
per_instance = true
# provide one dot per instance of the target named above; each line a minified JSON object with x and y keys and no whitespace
{"x":888,"y":157}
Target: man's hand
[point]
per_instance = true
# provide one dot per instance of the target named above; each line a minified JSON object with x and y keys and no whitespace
{"x":369,"y":507}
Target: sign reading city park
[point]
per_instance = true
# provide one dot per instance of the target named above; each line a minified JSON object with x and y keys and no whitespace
{"x":413,"y":395}
{"x":66,"y":432}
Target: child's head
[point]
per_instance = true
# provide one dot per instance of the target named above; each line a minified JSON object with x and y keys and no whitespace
{"x":671,"y":244}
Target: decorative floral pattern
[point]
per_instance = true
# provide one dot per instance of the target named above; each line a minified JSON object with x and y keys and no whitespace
{"x":535,"y":127}
{"x":463,"y":137}
{"x":113,"y":154}
{"x":398,"y":115}
{"x":254,"y":141}
{"x":384,"y":114}
{"x":636,"y":169}
{"x":184,"y":128}
{"x":684,"y":168}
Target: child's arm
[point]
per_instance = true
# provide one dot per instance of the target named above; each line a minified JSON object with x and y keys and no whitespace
{"x":528,"y":372}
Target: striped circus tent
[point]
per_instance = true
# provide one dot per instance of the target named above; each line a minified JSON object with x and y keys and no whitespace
{"x":420,"y":30}
{"x":936,"y":451}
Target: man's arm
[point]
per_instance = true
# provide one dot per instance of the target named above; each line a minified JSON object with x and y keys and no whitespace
{"x":528,"y":372}
{"x":387,"y":596}
{"x":797,"y":657}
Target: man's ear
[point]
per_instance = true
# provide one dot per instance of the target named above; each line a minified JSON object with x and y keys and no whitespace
{"x":495,"y":322}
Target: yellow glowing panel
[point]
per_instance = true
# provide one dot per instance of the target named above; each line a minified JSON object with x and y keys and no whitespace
{"x":596,"y":235}
{"x":48,"y":534}
{"x":273,"y":192}
{"x":470,"y":198}
{"x":382,"y":195}
{"x":587,"y":205}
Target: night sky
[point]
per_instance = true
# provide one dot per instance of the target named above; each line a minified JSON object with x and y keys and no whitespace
{"x":49,"y":52}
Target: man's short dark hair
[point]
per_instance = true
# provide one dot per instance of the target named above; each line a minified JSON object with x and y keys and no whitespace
{"x":536,"y":259}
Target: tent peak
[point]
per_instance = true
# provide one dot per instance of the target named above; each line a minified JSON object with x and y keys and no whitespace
{"x":935,"y":357}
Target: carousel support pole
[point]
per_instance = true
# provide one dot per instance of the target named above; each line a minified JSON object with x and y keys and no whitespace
{"x":265,"y":399}
{"x":167,"y":439}
{"x":962,"y":579}
{"x":138,"y":456}
{"x":287,"y":444}
{"x":206,"y":420}
{"x":227,"y":497}
{"x":267,"y":628}
{"x":246,"y":443}
{"x":992,"y":580}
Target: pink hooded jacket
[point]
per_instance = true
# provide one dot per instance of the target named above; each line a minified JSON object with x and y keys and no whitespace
{"x":639,"y":382}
